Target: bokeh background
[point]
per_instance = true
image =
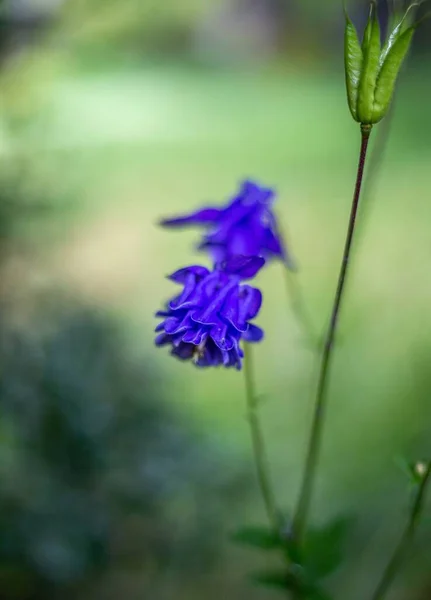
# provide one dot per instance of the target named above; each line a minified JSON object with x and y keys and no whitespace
{"x":123,"y":471}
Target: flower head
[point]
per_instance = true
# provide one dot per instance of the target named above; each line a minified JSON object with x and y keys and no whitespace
{"x":207,"y":320}
{"x":245,"y":226}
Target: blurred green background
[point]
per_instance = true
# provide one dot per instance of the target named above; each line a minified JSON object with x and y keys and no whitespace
{"x":123,"y":472}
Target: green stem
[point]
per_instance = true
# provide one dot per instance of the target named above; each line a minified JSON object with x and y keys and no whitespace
{"x":257,"y":438}
{"x":400,"y":552}
{"x":307,"y":487}
{"x":297,"y":304}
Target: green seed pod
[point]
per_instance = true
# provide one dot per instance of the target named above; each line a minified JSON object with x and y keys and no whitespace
{"x":372,"y":71}
{"x":353,"y":62}
{"x":370,"y":68}
{"x":389,"y":72}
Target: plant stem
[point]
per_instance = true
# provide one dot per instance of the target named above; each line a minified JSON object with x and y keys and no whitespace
{"x":294,"y":294}
{"x":301,"y":513}
{"x":257,"y":438}
{"x":406,"y":538}
{"x":298,"y":306}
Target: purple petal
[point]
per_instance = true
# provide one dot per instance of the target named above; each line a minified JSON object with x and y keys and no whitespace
{"x":231,"y":312}
{"x":194,"y":295}
{"x":202,"y":216}
{"x":218,"y":252}
{"x":219,"y":333}
{"x":162,"y":340}
{"x":184,"y":351}
{"x":250,"y":301}
{"x":195,"y":336}
{"x":245,"y":267}
{"x":253,"y":193}
{"x":242,"y":306}
{"x":253,"y":334}
{"x":174,"y":325}
{"x":209,"y":314}
{"x":244,"y":240}
{"x":184,"y":275}
{"x":210,"y":356}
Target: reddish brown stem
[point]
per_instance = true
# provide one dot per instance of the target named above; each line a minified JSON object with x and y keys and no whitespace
{"x":307,"y":487}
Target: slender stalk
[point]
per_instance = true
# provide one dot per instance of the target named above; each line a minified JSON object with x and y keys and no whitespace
{"x":258,"y":443}
{"x":295,"y":296}
{"x":395,"y":10}
{"x":401,"y":549}
{"x":376,"y":159}
{"x":299,"y":310}
{"x":307,"y":487}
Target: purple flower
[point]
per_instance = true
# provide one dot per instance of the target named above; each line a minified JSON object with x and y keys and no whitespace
{"x":245,"y":226}
{"x":207,"y":320}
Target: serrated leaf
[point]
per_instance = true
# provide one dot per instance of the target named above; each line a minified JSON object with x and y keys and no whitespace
{"x":323,"y":547}
{"x":259,"y":537}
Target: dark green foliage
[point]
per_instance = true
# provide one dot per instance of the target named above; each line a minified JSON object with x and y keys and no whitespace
{"x":293,"y":581}
{"x":323,"y":547}
{"x":319,"y":556}
{"x":94,"y":462}
{"x":259,"y":537}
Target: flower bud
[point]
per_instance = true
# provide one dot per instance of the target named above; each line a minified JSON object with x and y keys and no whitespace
{"x":420,"y":469}
{"x":372,"y":70}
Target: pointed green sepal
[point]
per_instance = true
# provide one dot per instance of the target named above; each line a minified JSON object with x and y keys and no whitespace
{"x":370,"y":68}
{"x":389,"y":73}
{"x":396,"y":31}
{"x":353,"y":65}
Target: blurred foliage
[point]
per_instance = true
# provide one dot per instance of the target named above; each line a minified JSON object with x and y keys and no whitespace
{"x":98,"y":472}
{"x":89,"y":447}
{"x":112,"y":19}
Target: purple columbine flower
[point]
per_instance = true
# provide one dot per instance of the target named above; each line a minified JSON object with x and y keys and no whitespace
{"x":245,"y":226}
{"x":207,"y":320}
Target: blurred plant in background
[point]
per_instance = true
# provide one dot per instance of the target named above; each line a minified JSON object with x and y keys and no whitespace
{"x":121,"y":111}
{"x":94,"y":462}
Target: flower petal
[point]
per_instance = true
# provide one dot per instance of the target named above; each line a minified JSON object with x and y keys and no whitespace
{"x":183,"y":351}
{"x":253,"y":333}
{"x":194,"y":295}
{"x":209,"y":314}
{"x":162,"y":339}
{"x":250,"y":300}
{"x":174,"y":325}
{"x":241,"y":307}
{"x":183,"y":275}
{"x":202,"y":216}
{"x":195,"y":336}
{"x":245,"y":267}
{"x":219,"y":333}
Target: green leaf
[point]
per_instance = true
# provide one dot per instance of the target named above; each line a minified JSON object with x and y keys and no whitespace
{"x":292,"y":582}
{"x":352,"y":64}
{"x":323,"y":547}
{"x":370,"y":68}
{"x":405,"y":466}
{"x":388,"y":75}
{"x":257,"y":537}
{"x":275,"y":579}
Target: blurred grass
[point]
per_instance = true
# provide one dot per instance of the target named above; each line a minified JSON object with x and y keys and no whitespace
{"x":133,"y":145}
